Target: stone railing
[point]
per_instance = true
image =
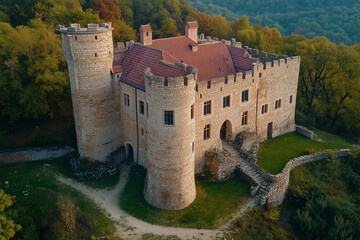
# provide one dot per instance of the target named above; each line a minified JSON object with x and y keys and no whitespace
{"x":33,"y":154}
{"x":276,"y":195}
{"x":305,"y":132}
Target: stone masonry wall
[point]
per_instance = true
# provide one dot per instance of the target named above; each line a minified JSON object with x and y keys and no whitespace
{"x":276,"y":195}
{"x":33,"y":154}
{"x":277,"y":80}
{"x":305,"y":132}
{"x":89,"y":55}
{"x":170,"y":180}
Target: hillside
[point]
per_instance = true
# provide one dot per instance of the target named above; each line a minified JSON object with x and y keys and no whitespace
{"x":337,"y":20}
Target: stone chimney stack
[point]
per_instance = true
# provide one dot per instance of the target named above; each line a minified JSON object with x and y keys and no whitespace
{"x":191,"y":30}
{"x":146,"y":35}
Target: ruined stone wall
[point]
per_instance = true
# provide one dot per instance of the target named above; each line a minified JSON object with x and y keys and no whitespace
{"x":89,"y":54}
{"x":170,"y":181}
{"x":276,"y":194}
{"x":305,"y":132}
{"x":33,"y":154}
{"x":279,"y":80}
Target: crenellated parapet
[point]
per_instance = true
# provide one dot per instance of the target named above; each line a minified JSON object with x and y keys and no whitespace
{"x":172,"y":82}
{"x":91,"y":28}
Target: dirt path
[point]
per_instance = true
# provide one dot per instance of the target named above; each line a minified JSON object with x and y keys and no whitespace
{"x":130,"y":227}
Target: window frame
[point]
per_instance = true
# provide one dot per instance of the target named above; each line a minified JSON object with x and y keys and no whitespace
{"x":127,"y":99}
{"x":244,"y":118}
{"x":169,"y":119}
{"x":226,"y":101}
{"x":141,"y":107}
{"x":245,"y":96}
{"x":278,"y":103}
{"x":207,"y":131}
{"x":207,"y":108}
{"x":264,"y":108}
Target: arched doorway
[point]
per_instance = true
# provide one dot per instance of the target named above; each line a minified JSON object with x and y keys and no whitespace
{"x":226,"y":131}
{"x":129,"y":151}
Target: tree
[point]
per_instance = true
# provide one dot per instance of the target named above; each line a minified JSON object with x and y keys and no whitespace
{"x":219,"y":27}
{"x":204,"y":21}
{"x":109,"y":11}
{"x":7,"y":227}
{"x":168,"y":28}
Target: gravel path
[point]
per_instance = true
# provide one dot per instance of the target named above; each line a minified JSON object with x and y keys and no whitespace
{"x":130,"y":227}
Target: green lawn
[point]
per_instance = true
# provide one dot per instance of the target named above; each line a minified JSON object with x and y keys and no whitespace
{"x":275,"y":153}
{"x":214,"y":203}
{"x":37,"y":193}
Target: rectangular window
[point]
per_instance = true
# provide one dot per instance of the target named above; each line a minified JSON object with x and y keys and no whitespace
{"x":291,"y":98}
{"x":207,"y":131}
{"x":245,"y":96}
{"x":169,"y":118}
{"x":278,"y":104}
{"x":142,"y":132}
{"x":226,"y":101}
{"x":209,"y":84}
{"x":126,"y":99}
{"x":264,"y":108}
{"x":141,"y":107}
{"x":147,"y":110}
{"x":226,"y":80}
{"x":192,"y":112}
{"x":207,"y":107}
{"x":244,"y":118}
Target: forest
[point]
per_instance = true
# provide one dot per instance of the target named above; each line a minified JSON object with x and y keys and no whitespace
{"x":336,"y":20}
{"x":34,"y":83}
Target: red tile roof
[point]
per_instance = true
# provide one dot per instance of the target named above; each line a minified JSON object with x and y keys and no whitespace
{"x":137,"y":58}
{"x":212,"y":59}
{"x":116,"y":69}
{"x":146,"y":28}
{"x":192,"y":24}
{"x":241,"y":58}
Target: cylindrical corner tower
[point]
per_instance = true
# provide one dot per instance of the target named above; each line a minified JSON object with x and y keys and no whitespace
{"x":89,"y":55}
{"x":170,"y":181}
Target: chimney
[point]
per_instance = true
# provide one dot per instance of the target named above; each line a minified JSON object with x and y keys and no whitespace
{"x":146,"y":35}
{"x":191,"y":30}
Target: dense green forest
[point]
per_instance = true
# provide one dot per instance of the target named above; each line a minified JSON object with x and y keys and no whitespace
{"x":34,"y":83}
{"x":337,"y":20}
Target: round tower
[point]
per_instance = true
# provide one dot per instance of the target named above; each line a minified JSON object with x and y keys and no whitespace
{"x":89,"y":55}
{"x":170,"y":181}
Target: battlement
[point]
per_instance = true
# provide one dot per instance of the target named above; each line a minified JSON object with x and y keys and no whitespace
{"x":172,"y":82}
{"x":91,"y":28}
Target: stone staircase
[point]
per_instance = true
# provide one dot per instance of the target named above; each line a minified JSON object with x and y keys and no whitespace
{"x":260,"y":185}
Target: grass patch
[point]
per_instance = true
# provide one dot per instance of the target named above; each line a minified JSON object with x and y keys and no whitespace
{"x":214,"y":203}
{"x":37,"y":193}
{"x":275,"y":153}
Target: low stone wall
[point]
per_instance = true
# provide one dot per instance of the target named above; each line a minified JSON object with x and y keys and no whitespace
{"x":276,"y":195}
{"x":219,"y":166}
{"x":305,"y":132}
{"x":33,"y":154}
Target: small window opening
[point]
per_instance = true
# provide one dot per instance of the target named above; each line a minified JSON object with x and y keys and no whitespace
{"x":169,"y":118}
{"x":244,"y":118}
{"x":259,"y":75}
{"x":193,"y":146}
{"x":192,"y":112}
{"x":75,"y":38}
{"x":95,"y":37}
{"x":95,"y":54}
{"x":185,"y":81}
{"x":209,"y":84}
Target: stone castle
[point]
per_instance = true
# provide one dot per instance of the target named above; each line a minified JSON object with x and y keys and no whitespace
{"x":168,"y":101}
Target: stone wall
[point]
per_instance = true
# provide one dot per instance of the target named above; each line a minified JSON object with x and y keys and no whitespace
{"x":33,"y":154}
{"x":305,"y":132}
{"x":220,"y":166}
{"x":276,"y":195}
{"x":89,"y":55}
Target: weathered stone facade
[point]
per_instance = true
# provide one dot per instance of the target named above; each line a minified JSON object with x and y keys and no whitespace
{"x":125,"y":104}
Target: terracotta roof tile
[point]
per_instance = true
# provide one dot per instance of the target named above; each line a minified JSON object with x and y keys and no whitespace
{"x":116,"y":69}
{"x":241,"y":59}
{"x":137,"y":58}
{"x":212,"y":60}
{"x":192,"y":24}
{"x":146,"y":28}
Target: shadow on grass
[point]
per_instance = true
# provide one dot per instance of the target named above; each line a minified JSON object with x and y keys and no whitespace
{"x":213,"y":206}
{"x":275,"y":153}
